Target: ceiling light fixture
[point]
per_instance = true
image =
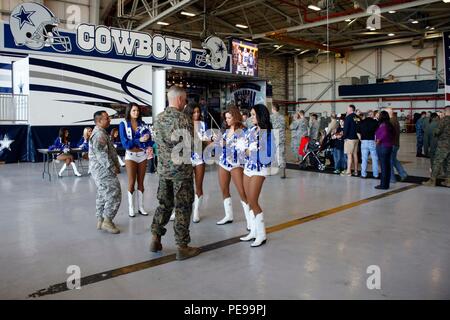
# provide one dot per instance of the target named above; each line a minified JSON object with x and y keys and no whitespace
{"x":241,"y":26}
{"x":391,"y":34}
{"x":415,"y":22}
{"x":313,"y":7}
{"x":348,"y":20}
{"x":432,"y":28}
{"x":184,"y":13}
{"x":162,"y":23}
{"x":446,"y":1}
{"x":392,"y":11}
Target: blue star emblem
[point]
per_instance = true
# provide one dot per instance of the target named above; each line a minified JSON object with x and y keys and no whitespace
{"x":24,"y":17}
{"x":220,"y":47}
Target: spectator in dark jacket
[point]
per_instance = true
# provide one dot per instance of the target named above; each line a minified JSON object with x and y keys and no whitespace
{"x":366,"y":129}
{"x":384,"y":137}
{"x":395,"y":164}
{"x":351,"y":140}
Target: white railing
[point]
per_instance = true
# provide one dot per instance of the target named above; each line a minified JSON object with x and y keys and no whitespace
{"x":14,"y":107}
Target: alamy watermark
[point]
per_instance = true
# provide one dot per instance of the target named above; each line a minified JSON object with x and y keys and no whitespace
{"x":374,"y":280}
{"x":74,"y":279}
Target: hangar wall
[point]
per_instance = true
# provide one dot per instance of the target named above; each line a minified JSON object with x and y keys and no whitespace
{"x":315,"y":81}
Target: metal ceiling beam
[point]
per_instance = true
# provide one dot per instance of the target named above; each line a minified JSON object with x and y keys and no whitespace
{"x":342,"y":18}
{"x":166,"y":13}
{"x":281,"y":13}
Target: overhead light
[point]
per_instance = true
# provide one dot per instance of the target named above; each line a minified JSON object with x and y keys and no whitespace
{"x":415,"y":22}
{"x":392,"y":11}
{"x":277,"y":46}
{"x":241,"y":26}
{"x":446,"y":1}
{"x":391,"y":34}
{"x":184,"y":13}
{"x":348,"y":20}
{"x":298,"y":49}
{"x":313,"y":7}
{"x":162,"y":23}
{"x":432,"y":28}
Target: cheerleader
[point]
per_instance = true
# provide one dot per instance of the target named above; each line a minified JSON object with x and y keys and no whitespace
{"x":83,"y":144}
{"x":136,"y":138}
{"x":231,"y":164}
{"x":259,"y":142}
{"x":115,"y":139}
{"x":62,"y":143}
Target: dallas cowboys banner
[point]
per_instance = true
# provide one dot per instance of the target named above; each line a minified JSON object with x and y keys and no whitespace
{"x":33,"y":28}
{"x":13,"y":143}
{"x":446,"y":36}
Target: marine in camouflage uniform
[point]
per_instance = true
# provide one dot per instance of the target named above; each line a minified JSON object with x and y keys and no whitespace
{"x":278,"y":123}
{"x":419,"y":137}
{"x":104,"y":165}
{"x":176,"y":186}
{"x":442,"y":153}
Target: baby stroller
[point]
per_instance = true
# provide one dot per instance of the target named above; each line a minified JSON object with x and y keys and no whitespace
{"x":315,"y":153}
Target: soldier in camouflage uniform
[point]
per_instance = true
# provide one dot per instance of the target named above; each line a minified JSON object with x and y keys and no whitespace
{"x":442,"y":153}
{"x":278,"y":123}
{"x":104,"y":167}
{"x":176,"y":187}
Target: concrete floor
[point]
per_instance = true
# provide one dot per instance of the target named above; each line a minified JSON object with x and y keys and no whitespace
{"x":47,"y":226}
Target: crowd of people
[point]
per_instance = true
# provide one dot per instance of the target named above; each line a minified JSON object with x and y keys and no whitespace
{"x":356,"y":136}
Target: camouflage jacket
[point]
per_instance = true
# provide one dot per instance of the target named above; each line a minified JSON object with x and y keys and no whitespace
{"x":171,"y":130}
{"x":443,"y":133}
{"x":102,"y":154}
{"x":279,"y":123}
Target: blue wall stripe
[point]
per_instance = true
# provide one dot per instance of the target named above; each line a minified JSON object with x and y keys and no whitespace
{"x":37,"y":87}
{"x":84,"y":71}
{"x":7,"y":66}
{"x":5,"y":90}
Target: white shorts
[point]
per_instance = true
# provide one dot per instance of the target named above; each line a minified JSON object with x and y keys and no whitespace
{"x":229,"y":168}
{"x":197,"y":162}
{"x":137,"y":157}
{"x":263,"y":173}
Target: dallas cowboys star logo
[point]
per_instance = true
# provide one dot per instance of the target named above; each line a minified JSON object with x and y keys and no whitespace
{"x":220,"y":47}
{"x":5,"y":143}
{"x":24,"y":17}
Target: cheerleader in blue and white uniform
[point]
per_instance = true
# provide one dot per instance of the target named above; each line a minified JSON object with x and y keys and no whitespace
{"x":83,"y":144}
{"x":136,"y":138}
{"x":231,"y":164}
{"x":62,"y":143}
{"x":258,"y":162}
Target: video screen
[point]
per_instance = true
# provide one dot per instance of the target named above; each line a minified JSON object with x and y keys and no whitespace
{"x":244,"y":58}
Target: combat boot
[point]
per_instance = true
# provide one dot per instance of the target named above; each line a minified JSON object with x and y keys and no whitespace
{"x":430,"y":183}
{"x":99,"y":223}
{"x":283,"y":173}
{"x":156,"y":245}
{"x":186,"y":252}
{"x":109,"y":226}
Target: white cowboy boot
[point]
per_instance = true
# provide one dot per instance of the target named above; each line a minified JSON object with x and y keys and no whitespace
{"x":195,"y":205}
{"x":247,"y":214}
{"x":140,"y":198}
{"x":260,"y":230}
{"x":75,"y":170}
{"x":131,"y":204}
{"x":228,"y":212}
{"x":62,"y":170}
{"x":252,"y":234}
{"x":172,"y":216}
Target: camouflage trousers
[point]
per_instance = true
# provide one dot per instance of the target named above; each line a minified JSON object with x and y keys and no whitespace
{"x":281,"y":155}
{"x":178,"y":194}
{"x":440,"y":162}
{"x":109,"y":196}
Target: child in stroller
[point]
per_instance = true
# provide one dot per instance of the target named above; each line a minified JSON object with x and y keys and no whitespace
{"x":315,"y":152}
